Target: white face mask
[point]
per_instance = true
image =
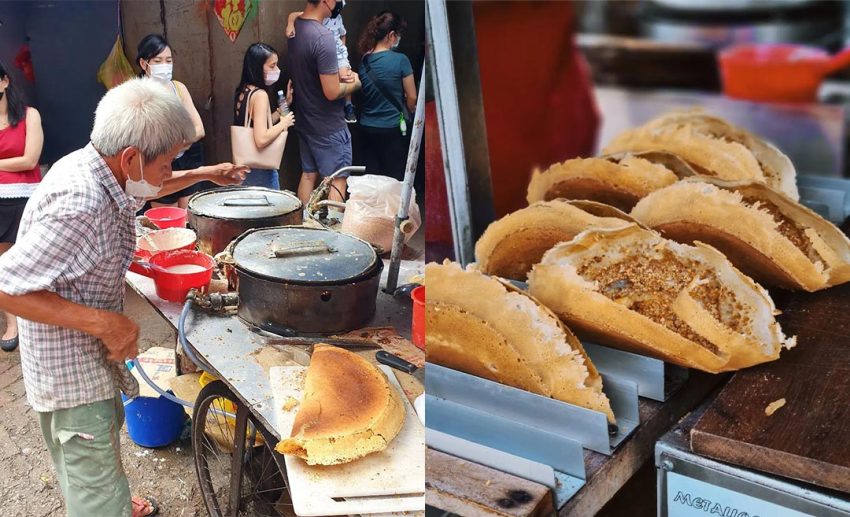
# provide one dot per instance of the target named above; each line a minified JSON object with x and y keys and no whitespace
{"x":141,"y":189}
{"x":397,"y":41}
{"x":272,"y":77}
{"x":161,"y":71}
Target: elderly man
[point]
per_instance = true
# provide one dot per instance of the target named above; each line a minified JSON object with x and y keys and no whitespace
{"x":64,"y":279}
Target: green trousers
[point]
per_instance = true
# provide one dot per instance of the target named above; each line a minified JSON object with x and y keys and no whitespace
{"x":85,"y":447}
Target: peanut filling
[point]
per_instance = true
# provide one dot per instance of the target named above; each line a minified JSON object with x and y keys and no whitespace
{"x":647,"y":281}
{"x":721,"y":303}
{"x":786,"y":227}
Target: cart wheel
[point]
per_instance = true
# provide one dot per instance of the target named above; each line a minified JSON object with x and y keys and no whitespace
{"x":249,"y":468}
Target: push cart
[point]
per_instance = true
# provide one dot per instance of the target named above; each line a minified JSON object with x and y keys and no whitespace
{"x":247,"y":477}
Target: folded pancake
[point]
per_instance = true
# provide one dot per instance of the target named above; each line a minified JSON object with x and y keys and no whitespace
{"x":514,"y":243}
{"x":488,"y":328}
{"x":764,"y":233}
{"x":619,"y":181}
{"x":630,"y":288}
{"x":713,"y":147}
{"x":778,"y":169}
{"x":349,"y":410}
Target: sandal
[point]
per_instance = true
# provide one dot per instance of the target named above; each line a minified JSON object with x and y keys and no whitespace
{"x":9,"y":345}
{"x":145,"y":501}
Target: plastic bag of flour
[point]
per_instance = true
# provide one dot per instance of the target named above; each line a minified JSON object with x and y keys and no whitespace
{"x":372,"y":207}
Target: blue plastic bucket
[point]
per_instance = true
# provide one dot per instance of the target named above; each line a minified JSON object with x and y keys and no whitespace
{"x":154,"y":422}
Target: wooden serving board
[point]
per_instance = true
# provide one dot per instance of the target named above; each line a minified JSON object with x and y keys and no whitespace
{"x":473,"y":490}
{"x":389,"y":481}
{"x":807,"y":438}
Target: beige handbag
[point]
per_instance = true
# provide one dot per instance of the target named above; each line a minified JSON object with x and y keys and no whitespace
{"x":244,"y":149}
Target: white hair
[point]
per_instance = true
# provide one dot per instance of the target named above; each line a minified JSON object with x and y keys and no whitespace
{"x":144,"y":114}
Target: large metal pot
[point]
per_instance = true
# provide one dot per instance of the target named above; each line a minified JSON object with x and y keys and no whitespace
{"x":719,"y":23}
{"x":220,"y":215}
{"x":307,"y":279}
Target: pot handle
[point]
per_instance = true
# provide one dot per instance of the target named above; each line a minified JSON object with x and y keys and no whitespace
{"x":838,"y":61}
{"x":225,"y":257}
{"x":247,"y":201}
{"x":302,"y":248}
{"x":142,"y":268}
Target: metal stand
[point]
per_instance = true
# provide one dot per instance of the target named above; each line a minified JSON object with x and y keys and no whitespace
{"x":655,"y":379}
{"x":587,"y":427}
{"x":536,"y":437}
{"x":829,"y":197}
{"x":407,"y":186}
{"x":521,"y":433}
{"x":318,"y":199}
{"x":505,"y":444}
{"x":450,"y":31}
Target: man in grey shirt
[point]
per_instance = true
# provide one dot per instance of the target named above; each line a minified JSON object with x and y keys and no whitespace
{"x":323,"y":136}
{"x":64,"y":279}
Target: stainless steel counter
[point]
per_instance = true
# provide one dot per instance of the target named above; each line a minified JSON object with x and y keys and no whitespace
{"x":227,"y":344}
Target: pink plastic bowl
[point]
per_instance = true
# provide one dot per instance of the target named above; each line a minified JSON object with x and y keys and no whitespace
{"x":167,"y":217}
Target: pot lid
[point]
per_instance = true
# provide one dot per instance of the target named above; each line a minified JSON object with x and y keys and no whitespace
{"x":243,"y":203}
{"x":303,"y":255}
{"x":731,"y":5}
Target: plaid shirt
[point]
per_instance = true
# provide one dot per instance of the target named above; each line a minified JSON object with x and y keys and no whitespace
{"x":76,"y":239}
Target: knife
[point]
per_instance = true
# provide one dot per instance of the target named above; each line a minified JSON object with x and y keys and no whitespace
{"x":394,"y":361}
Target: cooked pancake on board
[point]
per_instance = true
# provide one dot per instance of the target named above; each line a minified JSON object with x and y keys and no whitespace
{"x":349,"y":410}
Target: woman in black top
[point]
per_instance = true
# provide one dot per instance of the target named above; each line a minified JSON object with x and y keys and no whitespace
{"x":254,"y":95}
{"x":389,"y":92}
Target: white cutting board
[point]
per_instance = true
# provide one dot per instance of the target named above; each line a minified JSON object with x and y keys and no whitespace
{"x":389,"y":481}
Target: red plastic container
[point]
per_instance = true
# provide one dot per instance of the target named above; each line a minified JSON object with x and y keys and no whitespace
{"x":167,"y":216}
{"x":777,"y":73}
{"x":418,"y":328}
{"x":172,"y":284}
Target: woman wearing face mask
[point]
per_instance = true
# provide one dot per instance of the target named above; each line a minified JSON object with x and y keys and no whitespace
{"x":254,"y":95}
{"x":389,"y":94}
{"x":21,"y":139}
{"x":156,"y":61}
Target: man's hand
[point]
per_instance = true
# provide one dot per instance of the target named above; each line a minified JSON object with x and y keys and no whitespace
{"x":120,"y":336}
{"x":290,"y":23}
{"x":355,"y":78}
{"x":346,"y":75}
{"x":226,"y":174}
{"x":290,"y":93}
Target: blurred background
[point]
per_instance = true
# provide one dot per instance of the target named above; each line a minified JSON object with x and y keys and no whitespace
{"x":542,"y":82}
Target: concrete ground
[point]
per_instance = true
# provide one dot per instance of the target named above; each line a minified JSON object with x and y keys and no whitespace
{"x":28,"y":486}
